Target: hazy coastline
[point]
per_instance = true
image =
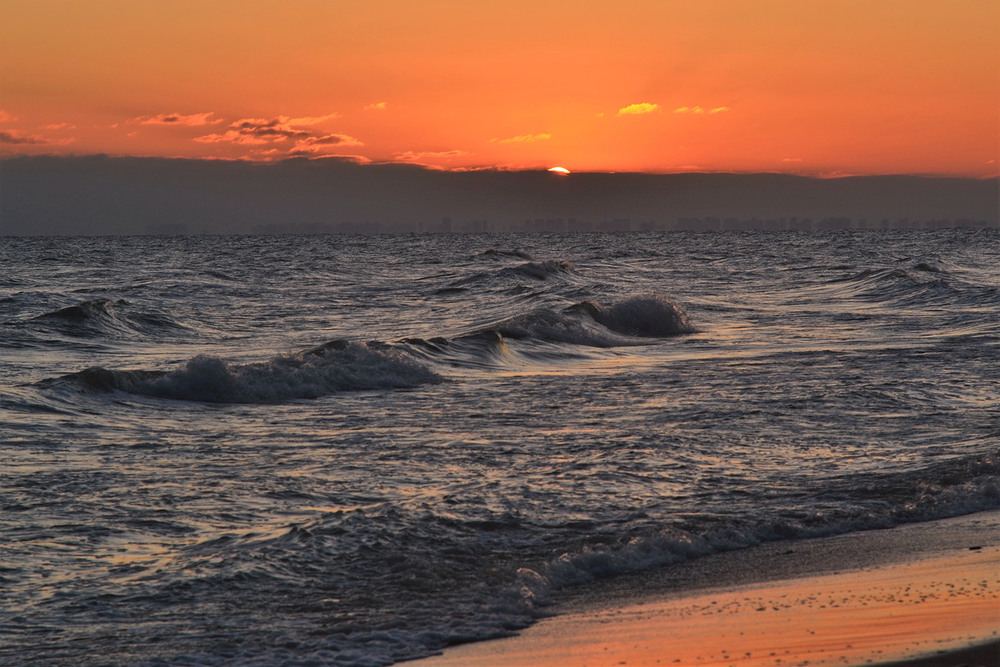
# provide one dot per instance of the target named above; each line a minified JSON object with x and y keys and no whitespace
{"x":100,"y":195}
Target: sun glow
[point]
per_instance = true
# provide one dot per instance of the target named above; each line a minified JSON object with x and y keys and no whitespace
{"x":559,"y":170}
{"x":733,"y":85}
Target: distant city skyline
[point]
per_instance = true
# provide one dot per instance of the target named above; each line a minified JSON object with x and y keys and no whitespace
{"x":817,"y":89}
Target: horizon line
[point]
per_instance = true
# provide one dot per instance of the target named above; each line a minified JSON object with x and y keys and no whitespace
{"x":364,"y":162}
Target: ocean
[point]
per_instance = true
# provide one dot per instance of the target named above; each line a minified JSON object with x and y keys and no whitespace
{"x":356,"y":450}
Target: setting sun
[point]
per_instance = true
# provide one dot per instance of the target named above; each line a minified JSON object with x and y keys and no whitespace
{"x":559,"y":170}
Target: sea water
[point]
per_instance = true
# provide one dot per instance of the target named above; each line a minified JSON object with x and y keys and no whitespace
{"x":354,"y":450}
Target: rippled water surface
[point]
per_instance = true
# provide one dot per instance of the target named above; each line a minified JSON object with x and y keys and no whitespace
{"x":355,"y":450}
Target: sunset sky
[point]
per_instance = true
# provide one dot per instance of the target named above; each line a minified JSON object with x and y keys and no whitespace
{"x":818,"y":88}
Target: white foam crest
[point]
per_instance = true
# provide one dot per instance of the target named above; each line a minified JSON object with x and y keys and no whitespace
{"x":319,"y":372}
{"x":930,"y":501}
{"x":638,"y":555}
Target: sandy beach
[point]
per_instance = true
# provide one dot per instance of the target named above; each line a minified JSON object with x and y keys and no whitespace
{"x":923,"y":594}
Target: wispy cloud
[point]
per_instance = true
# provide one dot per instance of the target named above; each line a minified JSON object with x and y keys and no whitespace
{"x":701,"y":110}
{"x":523,"y":139}
{"x":274,"y":129}
{"x":791,"y":159}
{"x":421,"y":157}
{"x":298,"y":134}
{"x":19,"y":138}
{"x":309,"y":120}
{"x":638,"y":109}
{"x":342,"y":157}
{"x":14,"y":137}
{"x":189,"y":120}
{"x":329,"y":139}
{"x":6,"y":117}
{"x":319,"y":143}
{"x":376,"y":106}
{"x":263,"y":130}
{"x":59,"y":126}
{"x":234,"y":137}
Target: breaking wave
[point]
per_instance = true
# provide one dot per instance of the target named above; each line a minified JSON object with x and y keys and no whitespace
{"x":327,"y":369}
{"x":631,"y":321}
{"x":648,"y":315}
{"x":341,"y":365}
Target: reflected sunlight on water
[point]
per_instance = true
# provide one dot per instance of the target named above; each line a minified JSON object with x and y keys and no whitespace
{"x":356,"y":450}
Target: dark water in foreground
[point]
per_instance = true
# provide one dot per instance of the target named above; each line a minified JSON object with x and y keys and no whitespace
{"x":354,"y":450}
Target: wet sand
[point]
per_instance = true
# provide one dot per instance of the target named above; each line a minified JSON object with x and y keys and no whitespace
{"x":926,"y":594}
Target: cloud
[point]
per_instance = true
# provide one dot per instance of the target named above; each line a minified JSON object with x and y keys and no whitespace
{"x":252,"y":131}
{"x":310,"y":120}
{"x":315,"y":144}
{"x":376,"y":106}
{"x":638,"y":109}
{"x":59,"y":126}
{"x":13,"y":137}
{"x":791,"y":159}
{"x":189,"y":120}
{"x":701,"y":110}
{"x":420,"y":156}
{"x":6,"y":117}
{"x":233,"y":137}
{"x":523,"y":139}
{"x":274,"y":129}
{"x":283,"y":136}
{"x":332,"y":157}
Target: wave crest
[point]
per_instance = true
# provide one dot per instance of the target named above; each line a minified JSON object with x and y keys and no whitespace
{"x":644,"y":316}
{"x":541,"y":270}
{"x":598,"y":325}
{"x":107,"y":318}
{"x":330,"y":368}
{"x":496,"y":252}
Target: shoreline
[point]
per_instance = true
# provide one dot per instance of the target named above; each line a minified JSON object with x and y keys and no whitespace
{"x":923,"y":595}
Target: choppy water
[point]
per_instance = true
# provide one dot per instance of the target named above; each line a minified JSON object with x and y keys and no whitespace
{"x":355,"y":450}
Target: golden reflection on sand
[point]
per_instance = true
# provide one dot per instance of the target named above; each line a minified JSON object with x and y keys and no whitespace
{"x":869,"y":616}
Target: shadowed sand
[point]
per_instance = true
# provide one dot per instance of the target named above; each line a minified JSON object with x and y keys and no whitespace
{"x":927,"y":595}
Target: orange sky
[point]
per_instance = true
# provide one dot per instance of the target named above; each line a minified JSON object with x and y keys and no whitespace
{"x":859,"y":87}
